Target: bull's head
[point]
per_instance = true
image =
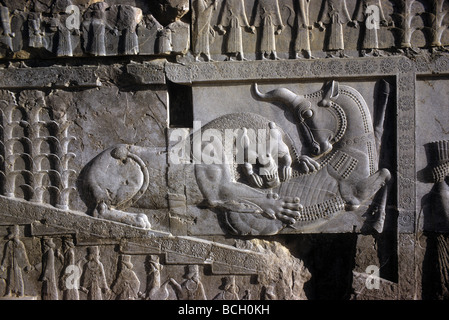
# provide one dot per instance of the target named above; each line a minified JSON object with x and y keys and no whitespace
{"x":317,"y":122}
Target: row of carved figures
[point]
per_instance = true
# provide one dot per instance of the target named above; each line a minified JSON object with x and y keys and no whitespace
{"x":34,"y":155}
{"x":369,"y":17}
{"x":101,"y":30}
{"x":88,"y":276}
{"x":123,"y":29}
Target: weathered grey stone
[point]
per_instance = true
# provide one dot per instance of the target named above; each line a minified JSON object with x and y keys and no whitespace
{"x":57,"y":77}
{"x":377,"y":288}
{"x":235,"y":149}
{"x":169,"y":11}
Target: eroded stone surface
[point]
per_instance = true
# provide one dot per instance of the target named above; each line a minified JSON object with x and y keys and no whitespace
{"x":234,"y":149}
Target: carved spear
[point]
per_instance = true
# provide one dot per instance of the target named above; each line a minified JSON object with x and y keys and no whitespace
{"x":384,"y":93}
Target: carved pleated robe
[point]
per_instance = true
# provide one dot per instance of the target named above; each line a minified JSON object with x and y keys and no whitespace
{"x":64,"y":43}
{"x":96,"y":31}
{"x":370,"y":35}
{"x":128,"y":19}
{"x":48,"y":278}
{"x":63,"y":37}
{"x":268,"y":18}
{"x":94,"y":280}
{"x":36,"y":40}
{"x":335,"y":14}
{"x":203,"y":28}
{"x":14,"y":260}
{"x":302,"y":40}
{"x":234,"y":17}
{"x":130,"y":41}
{"x":70,"y":290}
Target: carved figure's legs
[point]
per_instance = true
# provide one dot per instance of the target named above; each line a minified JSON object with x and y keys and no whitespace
{"x":306,"y":54}
{"x":371,"y":53}
{"x":340,"y":53}
{"x":272,"y":55}
{"x":207,"y":57}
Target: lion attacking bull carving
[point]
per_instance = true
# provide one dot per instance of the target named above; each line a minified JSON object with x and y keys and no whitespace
{"x":336,"y":128}
{"x":265,"y":192}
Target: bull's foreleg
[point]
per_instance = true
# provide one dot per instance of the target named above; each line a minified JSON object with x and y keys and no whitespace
{"x":375,"y":216}
{"x":374,"y":187}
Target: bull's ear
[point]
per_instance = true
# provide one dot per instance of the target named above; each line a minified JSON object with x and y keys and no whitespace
{"x":330,"y":93}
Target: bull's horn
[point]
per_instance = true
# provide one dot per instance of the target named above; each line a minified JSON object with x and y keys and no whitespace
{"x":282,"y":95}
{"x":330,"y":93}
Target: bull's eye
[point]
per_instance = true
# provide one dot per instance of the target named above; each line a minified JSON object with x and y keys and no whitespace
{"x":307,"y":114}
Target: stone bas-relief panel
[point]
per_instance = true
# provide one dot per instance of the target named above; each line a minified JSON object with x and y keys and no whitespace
{"x":65,"y":267}
{"x":308,"y":163}
{"x":146,"y":154}
{"x":431,"y":157}
{"x":264,"y":191}
{"x":45,"y":130}
{"x":223,"y":29}
{"x":301,"y":29}
{"x":103,"y":28}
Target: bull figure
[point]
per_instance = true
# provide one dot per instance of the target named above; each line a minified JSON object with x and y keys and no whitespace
{"x":339,"y":170}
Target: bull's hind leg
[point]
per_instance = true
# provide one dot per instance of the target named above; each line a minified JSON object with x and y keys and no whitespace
{"x":111,"y":182}
{"x":374,"y":187}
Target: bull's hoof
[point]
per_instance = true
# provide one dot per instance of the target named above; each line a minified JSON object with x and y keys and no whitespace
{"x":142,"y":221}
{"x":138,"y":220}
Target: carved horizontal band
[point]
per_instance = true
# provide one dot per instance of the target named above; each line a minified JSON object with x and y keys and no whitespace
{"x":45,"y":77}
{"x":157,"y":72}
{"x":302,"y":69}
